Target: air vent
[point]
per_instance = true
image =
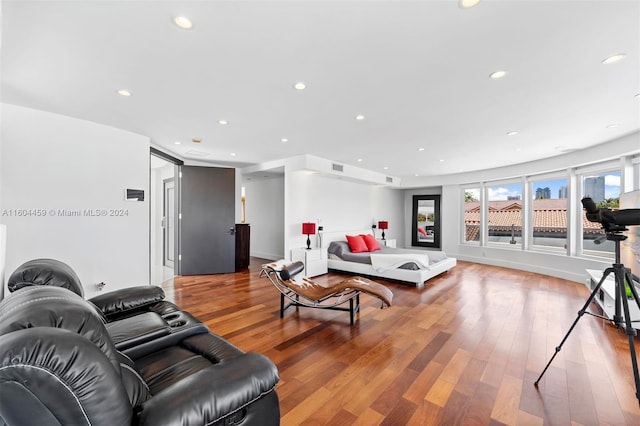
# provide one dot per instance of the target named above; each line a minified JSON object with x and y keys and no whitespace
{"x":389,"y":179}
{"x":337,"y":167}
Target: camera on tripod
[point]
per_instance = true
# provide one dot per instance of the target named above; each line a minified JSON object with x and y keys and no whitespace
{"x":614,"y":223}
{"x":611,"y":220}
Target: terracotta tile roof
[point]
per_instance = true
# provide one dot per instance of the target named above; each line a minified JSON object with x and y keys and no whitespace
{"x":548,"y":216}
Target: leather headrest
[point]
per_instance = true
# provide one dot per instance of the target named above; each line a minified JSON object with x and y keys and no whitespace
{"x":49,"y":272}
{"x":291,"y":270}
{"x":50,"y":306}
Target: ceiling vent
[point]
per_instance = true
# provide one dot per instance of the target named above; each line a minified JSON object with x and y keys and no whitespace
{"x":337,"y":167}
{"x":389,"y":179}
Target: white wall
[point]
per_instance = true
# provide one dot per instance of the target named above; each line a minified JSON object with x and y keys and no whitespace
{"x":338,"y":205}
{"x":52,"y":163}
{"x":265,"y":214}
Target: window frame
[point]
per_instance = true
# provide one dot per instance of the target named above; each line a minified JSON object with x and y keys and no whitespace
{"x":463,"y":233}
{"x":582,"y":172}
{"x":531,"y":180}
{"x":520,"y":245}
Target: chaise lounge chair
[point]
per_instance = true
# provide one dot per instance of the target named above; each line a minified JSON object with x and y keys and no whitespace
{"x":307,"y":293}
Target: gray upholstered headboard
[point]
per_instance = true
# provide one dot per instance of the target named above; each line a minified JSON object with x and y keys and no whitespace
{"x":327,"y":237}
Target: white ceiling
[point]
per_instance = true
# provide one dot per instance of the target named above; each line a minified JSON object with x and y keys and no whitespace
{"x":418,"y":71}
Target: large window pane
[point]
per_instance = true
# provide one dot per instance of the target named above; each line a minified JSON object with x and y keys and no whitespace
{"x":604,"y":189}
{"x":549,"y":219}
{"x":472,"y":215}
{"x":504,"y":203}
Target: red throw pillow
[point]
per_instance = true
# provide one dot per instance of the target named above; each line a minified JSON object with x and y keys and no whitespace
{"x":356,"y":243}
{"x":371,"y":242}
{"x":422,"y":231}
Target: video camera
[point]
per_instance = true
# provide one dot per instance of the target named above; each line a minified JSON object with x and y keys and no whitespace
{"x":612,"y":221}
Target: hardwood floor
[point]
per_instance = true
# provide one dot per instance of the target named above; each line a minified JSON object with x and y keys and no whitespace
{"x":464,"y":350}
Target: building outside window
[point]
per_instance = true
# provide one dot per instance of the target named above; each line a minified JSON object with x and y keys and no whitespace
{"x":604,"y":189}
{"x":549,"y":213}
{"x":472,"y":215}
{"x":504,"y":205}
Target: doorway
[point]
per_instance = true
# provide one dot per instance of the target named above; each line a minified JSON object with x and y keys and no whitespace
{"x":163,"y":205}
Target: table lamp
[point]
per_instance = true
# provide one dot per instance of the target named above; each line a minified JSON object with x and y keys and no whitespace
{"x":383,"y":224}
{"x":308,"y":228}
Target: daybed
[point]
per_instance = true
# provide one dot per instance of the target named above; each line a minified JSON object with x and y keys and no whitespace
{"x":414,"y":266}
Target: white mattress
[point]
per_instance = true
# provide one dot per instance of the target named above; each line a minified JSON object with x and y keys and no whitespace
{"x":417,"y":277}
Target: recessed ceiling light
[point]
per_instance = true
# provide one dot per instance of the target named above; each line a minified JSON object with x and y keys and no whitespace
{"x":123,"y":92}
{"x":196,"y":140}
{"x":299,"y":86}
{"x":183,"y":22}
{"x":233,"y":154}
{"x":177,"y":143}
{"x":416,"y":175}
{"x":284,"y":140}
{"x":467,"y":4}
{"x":512,"y":133}
{"x":518,"y":149}
{"x":359,"y":160}
{"x":223,"y":122}
{"x":637,"y":96}
{"x":497,"y":74}
{"x":612,"y":125}
{"x":421,"y":149}
{"x":386,"y":168}
{"x":614,"y":58}
{"x":441,"y":160}
{"x":359,"y":117}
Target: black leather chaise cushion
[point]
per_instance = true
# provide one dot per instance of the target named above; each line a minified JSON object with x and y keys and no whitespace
{"x":291,"y":270}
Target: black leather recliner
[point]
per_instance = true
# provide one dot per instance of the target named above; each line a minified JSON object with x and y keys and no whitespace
{"x":114,"y":305}
{"x":59,"y":365}
{"x":135,"y":317}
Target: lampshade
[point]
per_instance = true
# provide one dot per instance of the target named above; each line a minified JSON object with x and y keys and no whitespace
{"x":309,"y":228}
{"x":383,"y":224}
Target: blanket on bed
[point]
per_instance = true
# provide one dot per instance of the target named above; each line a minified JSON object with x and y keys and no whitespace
{"x":382,"y":262}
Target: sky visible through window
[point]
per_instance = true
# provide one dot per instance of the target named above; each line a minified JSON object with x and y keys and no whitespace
{"x":611,"y":188}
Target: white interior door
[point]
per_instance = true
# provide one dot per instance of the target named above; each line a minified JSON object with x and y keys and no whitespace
{"x":168,"y":221}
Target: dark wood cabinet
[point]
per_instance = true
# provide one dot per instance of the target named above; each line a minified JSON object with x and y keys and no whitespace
{"x":243,"y":233}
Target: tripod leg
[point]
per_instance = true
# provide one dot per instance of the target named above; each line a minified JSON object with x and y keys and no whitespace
{"x":580,"y":314}
{"x":631,"y":332}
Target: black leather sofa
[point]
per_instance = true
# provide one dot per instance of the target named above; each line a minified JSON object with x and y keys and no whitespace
{"x":129,"y":358}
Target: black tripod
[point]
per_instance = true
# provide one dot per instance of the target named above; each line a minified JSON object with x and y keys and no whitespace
{"x":621,"y":274}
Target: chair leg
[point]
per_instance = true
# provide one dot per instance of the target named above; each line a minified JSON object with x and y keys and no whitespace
{"x":281,"y":305}
{"x":351,"y":313}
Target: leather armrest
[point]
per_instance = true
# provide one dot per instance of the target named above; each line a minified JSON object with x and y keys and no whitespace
{"x":127,"y":299}
{"x":213,"y":393}
{"x":136,"y":330}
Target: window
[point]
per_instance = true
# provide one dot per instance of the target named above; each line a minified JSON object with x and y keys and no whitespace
{"x":604,"y":189}
{"x":472,"y":215}
{"x":504,"y":205}
{"x":549,"y":213}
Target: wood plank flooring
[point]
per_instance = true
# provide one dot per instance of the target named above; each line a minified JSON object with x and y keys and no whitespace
{"x":464,"y":350}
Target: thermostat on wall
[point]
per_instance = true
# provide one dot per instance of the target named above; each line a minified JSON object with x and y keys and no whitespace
{"x":134,"y":194}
